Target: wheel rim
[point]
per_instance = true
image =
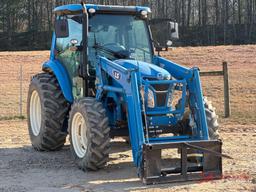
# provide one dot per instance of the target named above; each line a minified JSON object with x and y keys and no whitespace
{"x":35,"y":113}
{"x":78,"y":131}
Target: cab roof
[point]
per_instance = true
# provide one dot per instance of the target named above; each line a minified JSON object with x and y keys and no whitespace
{"x":77,"y":9}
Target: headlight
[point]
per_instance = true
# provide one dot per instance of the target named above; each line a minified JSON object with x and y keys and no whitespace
{"x":170,"y":97}
{"x":170,"y":100}
{"x":151,"y":100}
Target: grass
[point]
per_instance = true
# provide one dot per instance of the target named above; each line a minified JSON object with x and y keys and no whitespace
{"x":4,"y":118}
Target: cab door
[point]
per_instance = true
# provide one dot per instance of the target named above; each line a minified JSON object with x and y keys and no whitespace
{"x":68,"y":53}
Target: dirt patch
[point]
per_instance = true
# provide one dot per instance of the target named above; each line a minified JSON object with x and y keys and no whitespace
{"x":24,"y":169}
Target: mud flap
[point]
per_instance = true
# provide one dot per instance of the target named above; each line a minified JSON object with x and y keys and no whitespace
{"x":180,"y":169}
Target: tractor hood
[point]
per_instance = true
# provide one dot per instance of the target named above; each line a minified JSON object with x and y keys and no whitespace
{"x":146,"y":70}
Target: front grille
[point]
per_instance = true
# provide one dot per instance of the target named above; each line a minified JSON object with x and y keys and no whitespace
{"x":161,"y":94}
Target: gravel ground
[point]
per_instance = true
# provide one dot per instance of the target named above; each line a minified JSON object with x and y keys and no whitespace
{"x":24,"y":169}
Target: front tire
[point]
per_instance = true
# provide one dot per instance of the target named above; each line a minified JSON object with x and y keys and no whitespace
{"x":89,"y":134}
{"x":46,"y":111}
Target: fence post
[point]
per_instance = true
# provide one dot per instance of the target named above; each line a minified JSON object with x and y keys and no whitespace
{"x":21,"y":78}
{"x":227,"y":111}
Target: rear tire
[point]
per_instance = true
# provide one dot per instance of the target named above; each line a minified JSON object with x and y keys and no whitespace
{"x":211,"y":117}
{"x":46,"y":111}
{"x":212,"y":120}
{"x":212,"y":123}
{"x":89,"y":134}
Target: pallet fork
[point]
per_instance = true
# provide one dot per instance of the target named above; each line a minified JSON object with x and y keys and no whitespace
{"x":209,"y":168}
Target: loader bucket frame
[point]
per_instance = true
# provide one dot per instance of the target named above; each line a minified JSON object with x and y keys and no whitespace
{"x":210,"y":167}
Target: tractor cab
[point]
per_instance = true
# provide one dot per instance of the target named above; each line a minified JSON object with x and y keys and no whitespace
{"x":114,"y":32}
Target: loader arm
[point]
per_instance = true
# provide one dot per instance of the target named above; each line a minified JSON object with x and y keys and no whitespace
{"x":192,"y":78}
{"x":128,"y":81}
{"x":146,"y":150}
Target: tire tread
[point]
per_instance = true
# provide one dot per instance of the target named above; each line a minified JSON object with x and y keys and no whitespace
{"x":98,"y":150}
{"x":55,"y":109}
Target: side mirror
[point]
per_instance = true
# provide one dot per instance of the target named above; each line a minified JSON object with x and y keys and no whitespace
{"x":174,"y":30}
{"x":61,"y":28}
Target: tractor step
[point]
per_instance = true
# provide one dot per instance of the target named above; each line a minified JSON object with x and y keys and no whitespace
{"x":157,"y":168}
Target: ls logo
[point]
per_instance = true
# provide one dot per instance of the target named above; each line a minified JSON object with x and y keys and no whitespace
{"x":117,"y":75}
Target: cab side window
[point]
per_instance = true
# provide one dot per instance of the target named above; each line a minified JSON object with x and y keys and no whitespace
{"x":69,"y":57}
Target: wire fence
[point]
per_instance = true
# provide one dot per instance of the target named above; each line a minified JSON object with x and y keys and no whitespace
{"x":13,"y":98}
{"x":15,"y":83}
{"x":17,"y":68}
{"x":15,"y":74}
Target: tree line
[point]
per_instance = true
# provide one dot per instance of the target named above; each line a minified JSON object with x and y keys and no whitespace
{"x":27,"y":24}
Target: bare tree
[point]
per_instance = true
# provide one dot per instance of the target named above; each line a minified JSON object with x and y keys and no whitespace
{"x":202,"y":21}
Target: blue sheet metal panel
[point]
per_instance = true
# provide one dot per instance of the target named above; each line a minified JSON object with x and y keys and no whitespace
{"x":78,"y":8}
{"x":162,"y":112}
{"x":112,"y":92}
{"x":53,"y":46}
{"x":118,"y":8}
{"x":127,"y":78}
{"x":60,"y":72}
{"x":176,"y":140}
{"x":135,"y":120}
{"x":194,"y":87}
{"x":113,"y":89}
{"x":70,"y":7}
{"x":100,"y":82}
{"x":169,"y":139}
{"x":177,"y":71}
{"x":117,"y":100}
{"x":159,"y":82}
{"x":145,"y":69}
{"x":142,"y":8}
{"x":110,"y":66}
{"x":62,"y":76}
{"x":166,"y":110}
{"x":116,"y":115}
{"x":161,"y":120}
{"x":196,"y":103}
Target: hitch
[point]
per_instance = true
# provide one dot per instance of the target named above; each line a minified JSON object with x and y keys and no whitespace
{"x":154,"y":169}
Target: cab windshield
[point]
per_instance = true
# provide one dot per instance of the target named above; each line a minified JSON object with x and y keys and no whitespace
{"x":124,"y":34}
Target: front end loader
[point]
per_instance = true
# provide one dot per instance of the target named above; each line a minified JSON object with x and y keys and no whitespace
{"x":103,"y":80}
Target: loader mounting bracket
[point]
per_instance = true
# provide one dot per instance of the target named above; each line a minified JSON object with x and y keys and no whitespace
{"x":210,"y":166}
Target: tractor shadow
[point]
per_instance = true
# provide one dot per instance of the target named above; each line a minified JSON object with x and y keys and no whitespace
{"x":26,"y":166}
{"x":120,"y":174}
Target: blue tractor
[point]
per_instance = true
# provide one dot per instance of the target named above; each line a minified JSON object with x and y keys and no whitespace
{"x":104,"y":80}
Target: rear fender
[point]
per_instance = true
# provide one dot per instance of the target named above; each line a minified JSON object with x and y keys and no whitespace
{"x":62,"y":76}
